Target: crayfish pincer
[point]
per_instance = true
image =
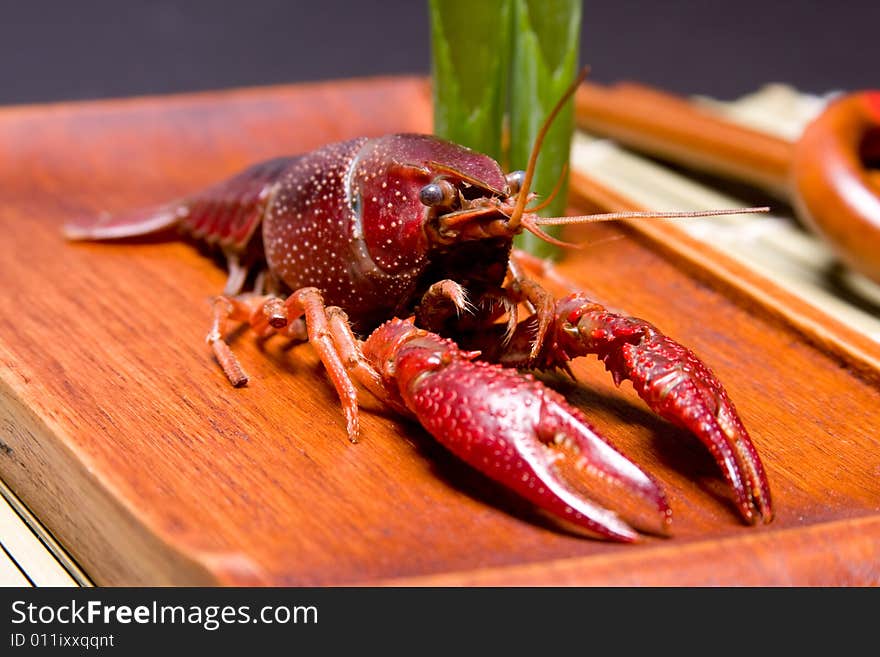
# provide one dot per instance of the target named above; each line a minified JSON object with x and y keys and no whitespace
{"x":516,"y":430}
{"x":393,"y":256}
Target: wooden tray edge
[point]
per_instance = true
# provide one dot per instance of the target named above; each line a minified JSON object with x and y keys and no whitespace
{"x":11,"y":112}
{"x":25,"y":469}
{"x":848,"y":551}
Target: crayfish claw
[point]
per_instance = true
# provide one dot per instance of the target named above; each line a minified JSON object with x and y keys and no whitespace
{"x":723,"y":428}
{"x":582,"y":462}
{"x":676,"y":385}
{"x":518,"y":432}
{"x":681,"y":389}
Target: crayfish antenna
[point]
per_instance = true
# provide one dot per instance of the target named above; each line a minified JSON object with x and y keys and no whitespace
{"x":523,"y":195}
{"x":648,"y":214}
{"x":529,"y":224}
{"x":520,"y":215}
{"x":556,"y":189}
{"x":533,"y":223}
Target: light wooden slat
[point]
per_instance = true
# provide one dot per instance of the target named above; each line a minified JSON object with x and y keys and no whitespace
{"x":31,"y":553}
{"x":10,"y":574}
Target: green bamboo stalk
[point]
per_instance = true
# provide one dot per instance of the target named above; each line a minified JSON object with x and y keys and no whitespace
{"x":545,"y":40}
{"x":470,"y":58}
{"x":488,"y":54}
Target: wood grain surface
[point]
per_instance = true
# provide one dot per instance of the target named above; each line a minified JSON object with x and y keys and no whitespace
{"x":122,"y":435}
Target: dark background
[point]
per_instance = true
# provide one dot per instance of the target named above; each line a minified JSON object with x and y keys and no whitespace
{"x":99,"y":48}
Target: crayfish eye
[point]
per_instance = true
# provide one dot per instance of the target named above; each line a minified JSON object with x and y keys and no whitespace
{"x":431,"y":195}
{"x":515,"y":181}
{"x":438,"y":193}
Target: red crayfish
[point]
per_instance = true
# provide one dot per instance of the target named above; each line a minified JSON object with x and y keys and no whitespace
{"x":407,"y":239}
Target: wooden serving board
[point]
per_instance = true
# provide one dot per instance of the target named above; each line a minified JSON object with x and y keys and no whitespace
{"x":122,"y":436}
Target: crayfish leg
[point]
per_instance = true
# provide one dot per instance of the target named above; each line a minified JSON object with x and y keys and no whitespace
{"x":269,"y":314}
{"x":264,"y":314}
{"x":441,"y":301}
{"x":356,"y":363}
{"x":237,"y":275}
{"x":545,"y":311}
{"x":226,"y":308}
{"x":447,"y":300}
{"x":308,"y":301}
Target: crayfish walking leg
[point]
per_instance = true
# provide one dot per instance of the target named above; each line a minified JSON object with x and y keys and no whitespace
{"x":266,"y":314}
